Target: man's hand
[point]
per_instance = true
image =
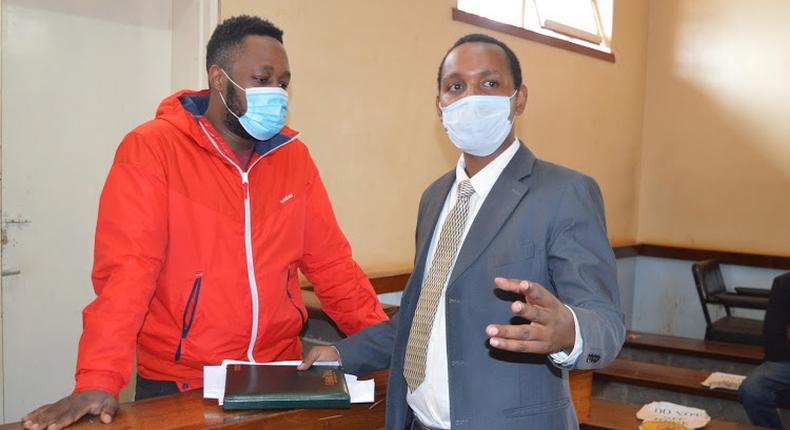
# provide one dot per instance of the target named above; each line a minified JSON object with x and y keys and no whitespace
{"x":319,"y":353}
{"x":70,"y":409}
{"x":551,"y":328}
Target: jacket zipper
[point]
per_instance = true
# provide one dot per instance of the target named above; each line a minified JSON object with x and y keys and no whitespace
{"x":247,"y":238}
{"x":290,"y":297}
{"x":186,"y":324}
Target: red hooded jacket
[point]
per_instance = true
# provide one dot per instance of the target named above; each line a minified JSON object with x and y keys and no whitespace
{"x":196,"y":259}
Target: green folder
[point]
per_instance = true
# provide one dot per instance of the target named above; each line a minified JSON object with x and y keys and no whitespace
{"x":249,"y":386}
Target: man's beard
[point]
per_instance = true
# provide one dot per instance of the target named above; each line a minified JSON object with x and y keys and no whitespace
{"x":230,"y":121}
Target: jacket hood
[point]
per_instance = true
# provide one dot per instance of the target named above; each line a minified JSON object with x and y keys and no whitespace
{"x":184,"y":108}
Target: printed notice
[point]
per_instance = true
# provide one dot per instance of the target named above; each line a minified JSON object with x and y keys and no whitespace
{"x":691,"y":418}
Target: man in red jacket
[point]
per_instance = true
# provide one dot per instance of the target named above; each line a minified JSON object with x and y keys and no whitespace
{"x":207,"y":214}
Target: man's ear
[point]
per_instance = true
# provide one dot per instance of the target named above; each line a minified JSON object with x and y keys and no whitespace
{"x":521,"y":99}
{"x":216,"y":79}
{"x":438,"y":107}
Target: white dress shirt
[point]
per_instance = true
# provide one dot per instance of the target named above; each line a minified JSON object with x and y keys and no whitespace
{"x":431,"y":400}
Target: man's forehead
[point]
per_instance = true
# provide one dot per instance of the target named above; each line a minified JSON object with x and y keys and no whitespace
{"x":260,"y":51}
{"x":259,"y":45}
{"x":476,"y":57}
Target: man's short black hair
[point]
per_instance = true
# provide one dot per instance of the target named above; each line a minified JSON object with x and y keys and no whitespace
{"x":515,"y":67}
{"x":229,"y":34}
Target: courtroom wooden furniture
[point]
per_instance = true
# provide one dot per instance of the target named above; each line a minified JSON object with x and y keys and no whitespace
{"x":382,"y":283}
{"x":190,"y":411}
{"x":605,"y":415}
{"x":663,"y":377}
{"x":711,"y":290}
{"x":752,"y":354}
{"x":581,"y":384}
{"x":396,"y":282}
{"x":625,"y":250}
{"x":660,"y":376}
{"x":314,"y":310}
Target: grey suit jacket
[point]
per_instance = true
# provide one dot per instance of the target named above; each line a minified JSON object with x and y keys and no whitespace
{"x":540,"y":222}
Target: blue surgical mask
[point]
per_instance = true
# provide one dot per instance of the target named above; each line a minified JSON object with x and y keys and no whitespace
{"x":478,"y":124}
{"x":266,"y":110}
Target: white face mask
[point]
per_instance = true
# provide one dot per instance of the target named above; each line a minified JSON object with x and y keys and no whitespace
{"x":478,"y":125}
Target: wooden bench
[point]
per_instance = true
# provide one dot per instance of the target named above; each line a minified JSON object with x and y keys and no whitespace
{"x":663,"y":377}
{"x":660,"y":376}
{"x":695,"y":347}
{"x":605,"y":415}
{"x":314,"y":310}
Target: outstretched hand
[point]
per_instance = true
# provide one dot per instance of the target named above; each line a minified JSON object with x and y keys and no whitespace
{"x":68,"y":410}
{"x":551,"y":328}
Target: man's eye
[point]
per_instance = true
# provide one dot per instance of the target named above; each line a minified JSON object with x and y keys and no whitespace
{"x":491,"y":84}
{"x":261,"y":80}
{"x":283,"y":85}
{"x":454,"y":87}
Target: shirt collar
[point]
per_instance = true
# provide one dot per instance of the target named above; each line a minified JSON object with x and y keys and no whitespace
{"x":484,"y":180}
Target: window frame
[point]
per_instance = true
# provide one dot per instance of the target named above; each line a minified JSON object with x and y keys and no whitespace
{"x":600,"y":53}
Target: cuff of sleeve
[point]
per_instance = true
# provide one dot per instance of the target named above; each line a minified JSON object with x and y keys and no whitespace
{"x":96,"y":380}
{"x":339,"y":359}
{"x":564,"y":359}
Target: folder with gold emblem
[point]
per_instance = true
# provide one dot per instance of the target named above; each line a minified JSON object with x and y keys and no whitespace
{"x":250,"y":386}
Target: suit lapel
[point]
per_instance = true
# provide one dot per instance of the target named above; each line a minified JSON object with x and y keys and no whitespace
{"x":502,"y":200}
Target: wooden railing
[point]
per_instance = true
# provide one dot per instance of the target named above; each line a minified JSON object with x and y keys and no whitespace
{"x":781,"y":262}
{"x":396,"y":282}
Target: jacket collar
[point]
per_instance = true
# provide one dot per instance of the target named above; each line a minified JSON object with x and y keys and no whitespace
{"x":196,"y":105}
{"x":508,"y":191}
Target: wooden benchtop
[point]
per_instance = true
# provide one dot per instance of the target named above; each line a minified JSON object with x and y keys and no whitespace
{"x":314,"y":310}
{"x":190,"y":411}
{"x":659,"y":376}
{"x":606,"y":415}
{"x":752,"y":354}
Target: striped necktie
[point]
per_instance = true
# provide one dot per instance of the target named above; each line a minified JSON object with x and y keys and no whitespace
{"x":443,"y":258}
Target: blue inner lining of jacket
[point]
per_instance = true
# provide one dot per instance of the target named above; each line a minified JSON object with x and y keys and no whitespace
{"x":197,"y":106}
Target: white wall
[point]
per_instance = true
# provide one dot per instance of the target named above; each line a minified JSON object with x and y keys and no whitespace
{"x":666,"y":302}
{"x":77,"y":76}
{"x":715,"y":154}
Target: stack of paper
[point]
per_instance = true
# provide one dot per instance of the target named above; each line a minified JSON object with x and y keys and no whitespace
{"x":667,"y":414}
{"x":727,"y":381}
{"x":214,"y":381}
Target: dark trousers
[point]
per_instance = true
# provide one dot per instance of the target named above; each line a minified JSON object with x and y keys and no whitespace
{"x":766,"y":385}
{"x":148,"y":388}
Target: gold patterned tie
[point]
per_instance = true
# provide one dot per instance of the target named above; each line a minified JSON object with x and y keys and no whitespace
{"x":443,"y":257}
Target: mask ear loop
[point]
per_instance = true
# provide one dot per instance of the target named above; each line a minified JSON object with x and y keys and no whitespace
{"x":234,"y":82}
{"x":223,"y":97}
{"x":513,"y":119}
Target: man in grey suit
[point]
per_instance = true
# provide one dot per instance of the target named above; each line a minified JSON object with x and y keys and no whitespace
{"x":514,"y":279}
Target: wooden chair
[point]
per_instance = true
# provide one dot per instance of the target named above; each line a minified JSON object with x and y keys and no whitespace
{"x":712,"y":291}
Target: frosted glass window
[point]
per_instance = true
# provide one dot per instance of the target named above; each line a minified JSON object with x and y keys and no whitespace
{"x":575,"y":18}
{"x":505,"y":11}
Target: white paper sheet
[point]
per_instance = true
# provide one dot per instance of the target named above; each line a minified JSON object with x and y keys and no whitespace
{"x":726,"y":381}
{"x":692,"y":418}
{"x":214,"y":381}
